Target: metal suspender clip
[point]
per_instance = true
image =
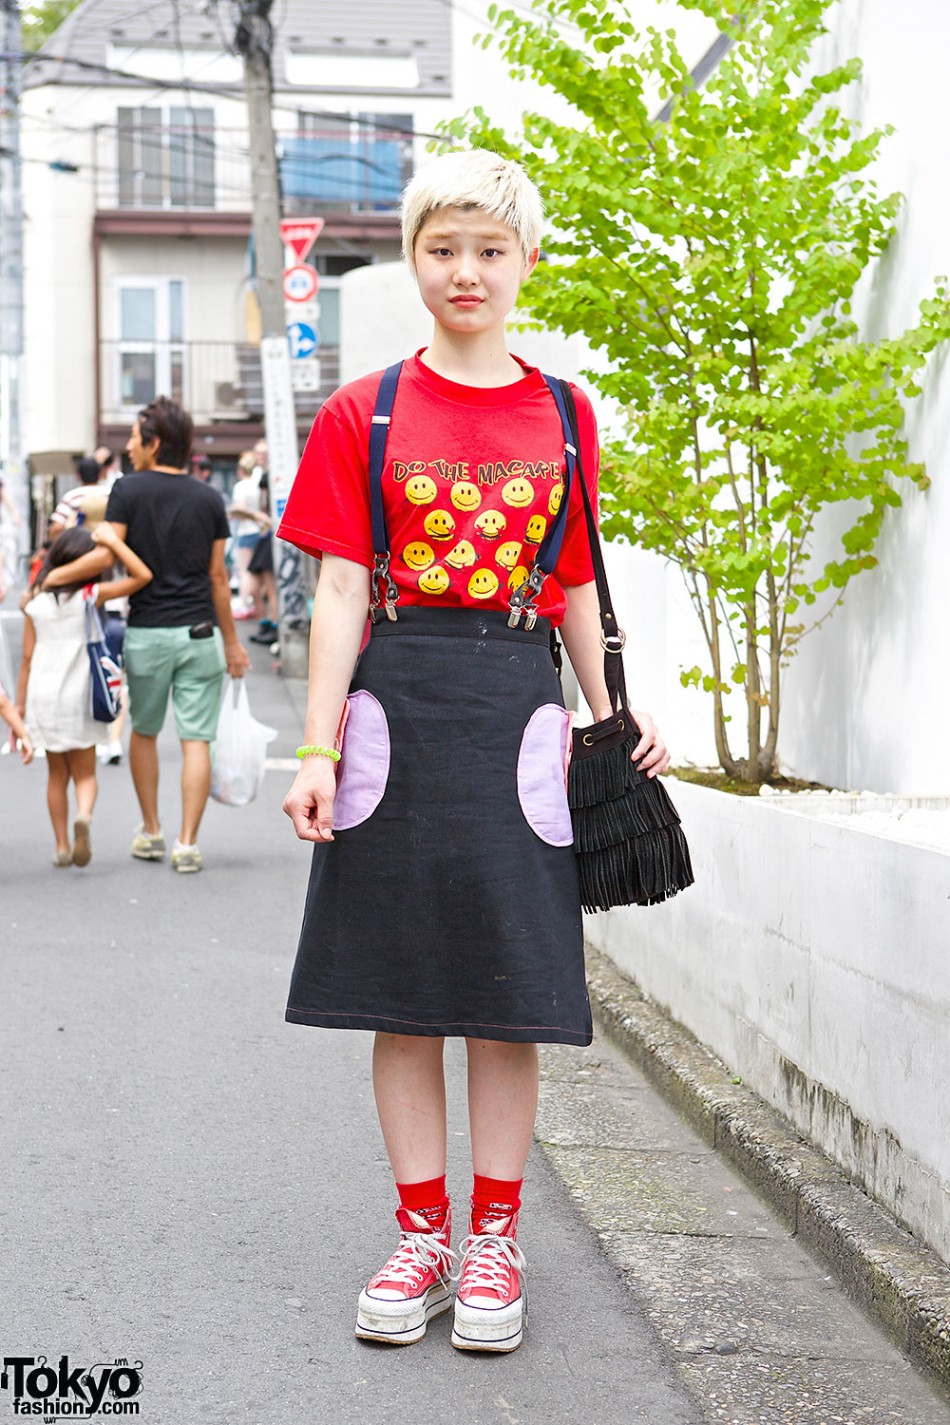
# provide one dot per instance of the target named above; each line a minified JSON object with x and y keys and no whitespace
{"x":381,"y":574}
{"x":522,"y":600}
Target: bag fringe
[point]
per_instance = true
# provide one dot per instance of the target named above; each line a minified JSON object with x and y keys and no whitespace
{"x":643,"y":871}
{"x":628,"y":841}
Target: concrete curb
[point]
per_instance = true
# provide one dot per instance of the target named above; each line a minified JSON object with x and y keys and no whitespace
{"x":904,"y":1285}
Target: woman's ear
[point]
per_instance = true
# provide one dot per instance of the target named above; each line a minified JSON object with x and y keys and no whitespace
{"x":530,"y":263}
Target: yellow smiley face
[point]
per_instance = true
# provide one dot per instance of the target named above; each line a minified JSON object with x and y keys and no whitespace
{"x":507,"y":554}
{"x":554,"y":503}
{"x":465,"y":496}
{"x":517,"y":493}
{"x":439,"y":524}
{"x":418,"y":555}
{"x":534,"y":534}
{"x":483,"y":584}
{"x":517,"y":577}
{"x":490,"y":524}
{"x":420,"y":490}
{"x":462,"y":556}
{"x":434,"y":580}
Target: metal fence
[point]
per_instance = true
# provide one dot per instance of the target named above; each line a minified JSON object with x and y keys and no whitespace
{"x":214,"y":380}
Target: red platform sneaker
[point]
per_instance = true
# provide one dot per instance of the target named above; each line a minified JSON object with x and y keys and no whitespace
{"x":413,"y":1286}
{"x":492,"y":1302}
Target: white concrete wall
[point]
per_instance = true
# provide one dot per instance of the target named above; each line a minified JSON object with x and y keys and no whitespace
{"x":814,"y":959}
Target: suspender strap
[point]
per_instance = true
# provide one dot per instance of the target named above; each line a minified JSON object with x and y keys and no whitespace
{"x":612,"y":637}
{"x":522,"y":601}
{"x":378,"y":436}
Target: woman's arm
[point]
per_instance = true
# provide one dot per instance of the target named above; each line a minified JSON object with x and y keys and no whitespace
{"x":339,"y":618}
{"x":29,"y":643}
{"x":17,"y":726}
{"x":138,"y":572}
{"x":581,"y":634}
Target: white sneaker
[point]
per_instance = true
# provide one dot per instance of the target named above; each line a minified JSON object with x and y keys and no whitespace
{"x":185,"y":859}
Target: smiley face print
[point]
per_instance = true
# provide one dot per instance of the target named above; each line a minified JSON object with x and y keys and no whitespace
{"x":439,"y":524}
{"x":462,"y":556}
{"x":517,"y":577}
{"x":490,"y":523}
{"x":483,"y":583}
{"x":534,"y":534}
{"x":507,"y":554}
{"x":517,"y":493}
{"x":554,"y":502}
{"x":465,"y":496}
{"x":418,"y":555}
{"x":421,"y":490}
{"x":434,"y":580}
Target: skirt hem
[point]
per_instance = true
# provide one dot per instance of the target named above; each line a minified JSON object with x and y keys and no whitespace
{"x":509,"y":1033}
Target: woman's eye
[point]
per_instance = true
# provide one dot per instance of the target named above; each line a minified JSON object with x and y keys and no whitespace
{"x":492,"y":252}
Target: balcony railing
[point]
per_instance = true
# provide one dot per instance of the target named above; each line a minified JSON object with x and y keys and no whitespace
{"x":215,"y":380}
{"x":149,"y":166}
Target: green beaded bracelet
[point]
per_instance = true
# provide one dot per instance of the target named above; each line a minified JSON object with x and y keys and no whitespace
{"x":330,"y":752}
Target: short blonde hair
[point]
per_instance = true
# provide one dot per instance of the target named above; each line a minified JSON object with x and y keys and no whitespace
{"x":475,"y":179}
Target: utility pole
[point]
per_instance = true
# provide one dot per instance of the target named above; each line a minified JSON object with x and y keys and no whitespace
{"x":253,"y":40}
{"x":12,"y":469}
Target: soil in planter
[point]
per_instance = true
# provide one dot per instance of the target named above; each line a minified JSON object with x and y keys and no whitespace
{"x":716,"y":778}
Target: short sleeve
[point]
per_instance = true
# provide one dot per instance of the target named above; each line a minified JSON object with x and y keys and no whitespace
{"x":327,"y":511}
{"x":574,"y":565}
{"x":117,"y":509}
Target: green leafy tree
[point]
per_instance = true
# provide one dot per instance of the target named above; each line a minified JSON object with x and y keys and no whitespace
{"x":42,"y":20}
{"x":712,"y":254}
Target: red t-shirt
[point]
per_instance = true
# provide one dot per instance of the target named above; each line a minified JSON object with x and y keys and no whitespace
{"x":471,"y":481}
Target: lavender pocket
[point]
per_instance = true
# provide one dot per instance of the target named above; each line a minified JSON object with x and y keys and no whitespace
{"x":542,"y":774}
{"x":363,"y":769}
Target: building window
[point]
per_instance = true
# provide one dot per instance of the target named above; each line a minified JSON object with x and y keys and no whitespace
{"x":349,"y":163}
{"x":151,"y":347}
{"x":166,"y":159}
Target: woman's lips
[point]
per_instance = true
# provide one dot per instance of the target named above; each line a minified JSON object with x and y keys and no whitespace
{"x":466,"y":301}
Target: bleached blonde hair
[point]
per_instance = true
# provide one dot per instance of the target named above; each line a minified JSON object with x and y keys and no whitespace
{"x":477,"y":179}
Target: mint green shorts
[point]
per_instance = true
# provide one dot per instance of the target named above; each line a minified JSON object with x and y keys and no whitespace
{"x":159,"y":661}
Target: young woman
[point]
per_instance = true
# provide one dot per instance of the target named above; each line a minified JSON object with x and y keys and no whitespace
{"x":443,"y":896}
{"x":54,"y":680}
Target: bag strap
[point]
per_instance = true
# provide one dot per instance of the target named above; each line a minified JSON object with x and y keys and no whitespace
{"x":378,"y":436}
{"x":612,"y":637}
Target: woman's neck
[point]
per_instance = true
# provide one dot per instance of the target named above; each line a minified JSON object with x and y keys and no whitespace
{"x":478,"y":360}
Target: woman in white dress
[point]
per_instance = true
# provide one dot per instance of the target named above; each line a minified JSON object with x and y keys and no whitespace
{"x":54,"y":683}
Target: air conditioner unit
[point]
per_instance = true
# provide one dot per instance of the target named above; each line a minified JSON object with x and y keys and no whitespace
{"x":226,"y":395}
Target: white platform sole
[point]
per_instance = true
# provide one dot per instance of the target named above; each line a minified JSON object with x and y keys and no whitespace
{"x":484,"y":1329}
{"x":400,"y":1323}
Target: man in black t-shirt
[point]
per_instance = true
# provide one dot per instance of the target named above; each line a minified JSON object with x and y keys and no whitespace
{"x":181,"y":637}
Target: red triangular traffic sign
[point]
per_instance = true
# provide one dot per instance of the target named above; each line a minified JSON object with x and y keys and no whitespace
{"x":301,"y":234}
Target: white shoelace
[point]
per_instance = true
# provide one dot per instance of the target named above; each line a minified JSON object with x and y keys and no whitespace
{"x":487,"y":1261}
{"x":417,"y":1253}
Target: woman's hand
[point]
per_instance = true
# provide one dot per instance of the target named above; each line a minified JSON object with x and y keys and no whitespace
{"x":650,"y":754}
{"x":309,"y":803}
{"x":26,"y":749}
{"x":105,"y":533}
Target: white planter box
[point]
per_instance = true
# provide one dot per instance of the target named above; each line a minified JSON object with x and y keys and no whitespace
{"x":814,"y":958}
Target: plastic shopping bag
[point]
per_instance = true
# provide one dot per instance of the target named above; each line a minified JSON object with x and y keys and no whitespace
{"x":240,"y":749}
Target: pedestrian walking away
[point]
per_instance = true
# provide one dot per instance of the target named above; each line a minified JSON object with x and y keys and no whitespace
{"x":181,"y":634}
{"x":443,"y":896}
{"x":54,"y":684}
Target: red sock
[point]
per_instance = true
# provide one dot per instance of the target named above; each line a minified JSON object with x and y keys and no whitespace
{"x":493,"y":1198}
{"x":428,"y":1200}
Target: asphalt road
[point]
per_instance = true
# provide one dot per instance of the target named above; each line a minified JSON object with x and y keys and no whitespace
{"x":188,"y":1182}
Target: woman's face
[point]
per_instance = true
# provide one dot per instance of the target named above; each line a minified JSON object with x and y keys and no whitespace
{"x":141,"y":456}
{"x":469,"y":267}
